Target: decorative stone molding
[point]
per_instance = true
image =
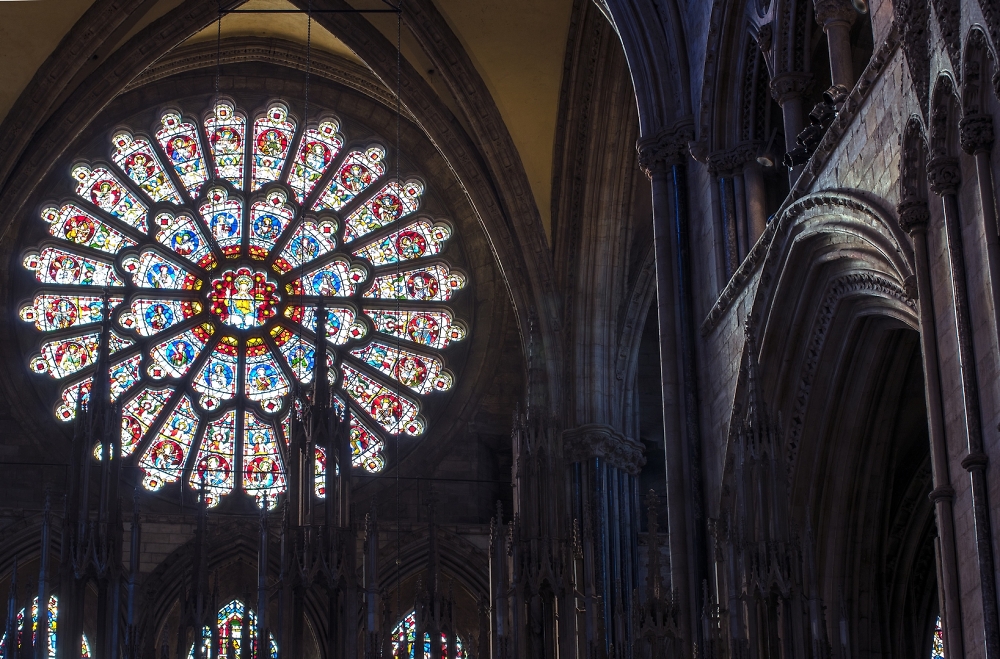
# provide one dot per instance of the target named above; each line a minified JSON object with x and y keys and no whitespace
{"x":761,"y":255}
{"x":834,"y":11}
{"x":976,"y":133}
{"x":944,"y":175}
{"x":859,"y":283}
{"x":595,"y":440}
{"x":664,"y":150}
{"x":975,"y":461}
{"x":945,"y":492}
{"x":787,"y":86}
{"x":727,"y":161}
{"x":913,"y":215}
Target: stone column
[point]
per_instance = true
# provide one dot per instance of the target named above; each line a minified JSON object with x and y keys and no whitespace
{"x":659,"y":157}
{"x":788,"y":89}
{"x":944,"y":176}
{"x":977,"y":141}
{"x":836,"y":17}
{"x":913,"y":217}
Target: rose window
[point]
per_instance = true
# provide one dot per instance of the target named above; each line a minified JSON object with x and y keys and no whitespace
{"x":215,"y":245}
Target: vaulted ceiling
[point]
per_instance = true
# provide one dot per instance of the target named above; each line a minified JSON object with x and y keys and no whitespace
{"x":517,"y":46}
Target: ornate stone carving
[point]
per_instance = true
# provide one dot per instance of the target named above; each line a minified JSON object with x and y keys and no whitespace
{"x":790,"y":85}
{"x":944,"y":175}
{"x":913,"y":215}
{"x":834,"y":11}
{"x":727,"y":161}
{"x":765,"y":37}
{"x":976,"y":133}
{"x":664,"y":150}
{"x":595,"y":440}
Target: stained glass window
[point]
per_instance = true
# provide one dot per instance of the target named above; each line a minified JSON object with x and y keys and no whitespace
{"x":53,"y":625}
{"x":237,"y":625}
{"x":213,"y":248}
{"x":405,"y":646}
{"x":937,"y":641}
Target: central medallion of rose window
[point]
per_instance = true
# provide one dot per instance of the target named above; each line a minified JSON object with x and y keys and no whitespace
{"x":243,"y":298}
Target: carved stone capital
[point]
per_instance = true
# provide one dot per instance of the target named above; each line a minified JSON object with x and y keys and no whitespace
{"x":913,"y":215}
{"x":594,"y":440}
{"x":944,"y":175}
{"x":834,"y":11}
{"x":976,"y":133}
{"x":727,"y":161}
{"x":666,"y":149}
{"x":786,"y":86}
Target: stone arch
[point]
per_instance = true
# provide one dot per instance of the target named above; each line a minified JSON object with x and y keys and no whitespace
{"x":944,"y":118}
{"x":839,"y":329}
{"x":517,"y":245}
{"x":979,"y":62}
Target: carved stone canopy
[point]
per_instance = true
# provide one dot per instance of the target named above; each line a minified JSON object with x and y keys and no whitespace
{"x":976,"y":133}
{"x":594,"y":440}
{"x":944,"y":175}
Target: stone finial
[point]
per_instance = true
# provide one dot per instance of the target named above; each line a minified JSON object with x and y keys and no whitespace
{"x":664,"y":150}
{"x":976,"y":133}
{"x":913,"y":215}
{"x":786,"y":86}
{"x":944,"y":175}
{"x":834,"y":11}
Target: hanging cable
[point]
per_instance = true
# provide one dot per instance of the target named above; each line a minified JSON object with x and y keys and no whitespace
{"x":399,"y":541}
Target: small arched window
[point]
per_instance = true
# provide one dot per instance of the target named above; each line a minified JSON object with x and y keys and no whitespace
{"x":404,"y":642}
{"x":23,"y":641}
{"x":237,"y":626}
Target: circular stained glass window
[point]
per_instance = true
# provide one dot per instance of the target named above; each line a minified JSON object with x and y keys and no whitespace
{"x":215,"y":246}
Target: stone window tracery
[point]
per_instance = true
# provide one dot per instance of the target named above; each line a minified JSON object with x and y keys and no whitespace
{"x":210,"y":248}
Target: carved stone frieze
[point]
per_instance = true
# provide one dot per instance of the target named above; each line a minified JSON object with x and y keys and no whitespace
{"x":834,"y":11}
{"x":944,"y":175}
{"x":913,"y":215}
{"x":791,"y":85}
{"x":976,"y":133}
{"x":664,"y":150}
{"x":727,"y":161}
{"x":595,"y":440}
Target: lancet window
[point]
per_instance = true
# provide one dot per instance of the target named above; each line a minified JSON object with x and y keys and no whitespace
{"x":237,"y":635}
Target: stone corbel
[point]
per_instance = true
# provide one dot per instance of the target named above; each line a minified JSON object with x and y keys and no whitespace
{"x":595,"y":440}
